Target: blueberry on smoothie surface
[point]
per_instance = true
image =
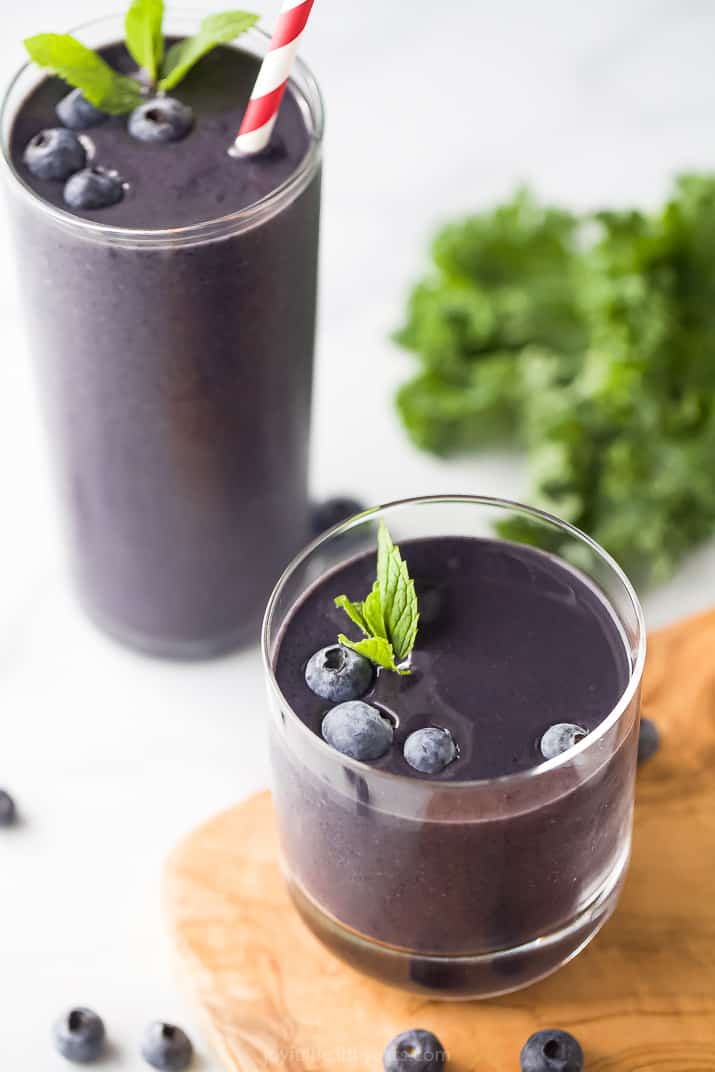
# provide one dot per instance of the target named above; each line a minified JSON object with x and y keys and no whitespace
{"x":357,"y":730}
{"x":338,"y":673}
{"x":167,"y":1048}
{"x":161,"y":119}
{"x":79,"y":1035}
{"x":430,"y":750}
{"x":414,"y":1051}
{"x":55,"y":153}
{"x":559,"y":738}
{"x":77,"y":113}
{"x":551,"y":1050}
{"x":93,"y":187}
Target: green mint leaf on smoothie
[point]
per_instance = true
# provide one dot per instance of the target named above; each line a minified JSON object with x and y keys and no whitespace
{"x":376,"y":649}
{"x":397,"y":592}
{"x":354,"y":612}
{"x":214,"y":30}
{"x":389,"y":615}
{"x":85,"y":70}
{"x":142,"y":31}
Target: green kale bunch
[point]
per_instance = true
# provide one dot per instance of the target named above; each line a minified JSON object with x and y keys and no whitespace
{"x":590,"y":342}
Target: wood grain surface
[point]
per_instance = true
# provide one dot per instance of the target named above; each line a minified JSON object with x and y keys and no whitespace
{"x":641,"y":998}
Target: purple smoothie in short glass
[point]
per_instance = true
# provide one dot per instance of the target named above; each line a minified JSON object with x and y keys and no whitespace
{"x":449,"y":881}
{"x":174,"y":336}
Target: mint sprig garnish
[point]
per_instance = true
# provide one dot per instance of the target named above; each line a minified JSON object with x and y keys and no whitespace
{"x":117,"y":93}
{"x":142,"y":32}
{"x":104,"y":87}
{"x":214,"y":30}
{"x":389,"y":615}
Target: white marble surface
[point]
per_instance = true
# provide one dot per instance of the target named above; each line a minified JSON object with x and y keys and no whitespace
{"x":113,"y":757}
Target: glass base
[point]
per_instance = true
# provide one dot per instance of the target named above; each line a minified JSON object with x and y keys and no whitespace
{"x":485,"y":975}
{"x":211,"y":647}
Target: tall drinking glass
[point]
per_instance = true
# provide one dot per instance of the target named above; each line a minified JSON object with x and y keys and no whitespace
{"x":461,"y":888}
{"x":176,"y":369}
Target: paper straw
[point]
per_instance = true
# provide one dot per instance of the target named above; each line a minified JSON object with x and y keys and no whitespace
{"x":262,"y":111}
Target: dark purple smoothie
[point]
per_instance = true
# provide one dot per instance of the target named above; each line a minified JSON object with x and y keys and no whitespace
{"x":510,"y":642}
{"x":176,"y":366}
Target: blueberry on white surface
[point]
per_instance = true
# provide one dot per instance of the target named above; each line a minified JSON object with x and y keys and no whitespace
{"x":93,"y":187}
{"x":161,"y":119}
{"x":77,"y":113}
{"x":333,"y":511}
{"x":414,"y":1051}
{"x":560,"y":737}
{"x":338,"y":673}
{"x":430,"y":750}
{"x":357,"y":730}
{"x":79,"y":1035}
{"x":8,"y":811}
{"x":167,"y":1047}
{"x":55,"y":153}
{"x":551,"y":1051}
{"x":648,"y":740}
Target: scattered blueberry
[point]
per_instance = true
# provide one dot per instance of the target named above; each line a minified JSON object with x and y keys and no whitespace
{"x":77,"y":113}
{"x":430,"y":750}
{"x":161,"y":119}
{"x":648,"y":739}
{"x":333,"y":511}
{"x":559,"y":738}
{"x":79,"y":1035}
{"x":167,"y":1047}
{"x":54,"y":154}
{"x":93,"y":187}
{"x":8,"y":811}
{"x":414,"y":1051}
{"x":551,"y":1051}
{"x":357,"y":730}
{"x":338,"y":673}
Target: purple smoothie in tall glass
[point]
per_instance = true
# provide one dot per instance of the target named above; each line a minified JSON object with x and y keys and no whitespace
{"x":478,"y":878}
{"x":174,"y":336}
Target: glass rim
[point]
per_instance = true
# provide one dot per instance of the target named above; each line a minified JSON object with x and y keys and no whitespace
{"x":503,"y":781}
{"x":231,"y":223}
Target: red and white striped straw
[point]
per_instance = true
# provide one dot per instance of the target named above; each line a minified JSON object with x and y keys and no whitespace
{"x":262,"y":111}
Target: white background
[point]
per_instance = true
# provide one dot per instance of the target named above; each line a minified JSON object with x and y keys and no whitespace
{"x":434,"y":109}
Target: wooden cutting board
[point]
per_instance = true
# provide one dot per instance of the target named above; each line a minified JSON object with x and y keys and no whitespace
{"x":641,"y":998}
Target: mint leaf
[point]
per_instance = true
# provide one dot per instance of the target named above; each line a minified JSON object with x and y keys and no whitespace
{"x":85,"y":70}
{"x":354,"y":612}
{"x":376,"y":649}
{"x":390,"y":614}
{"x":372,"y":612}
{"x":142,"y":30}
{"x":399,"y":599}
{"x":214,"y":30}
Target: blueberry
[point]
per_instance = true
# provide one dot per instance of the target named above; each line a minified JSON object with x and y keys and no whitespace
{"x":414,"y":1051}
{"x":167,"y":1047}
{"x":93,"y":187}
{"x":8,"y":811}
{"x":648,"y":739}
{"x":338,"y":673}
{"x":77,"y":113}
{"x":333,"y":511}
{"x":161,"y":119}
{"x":54,"y":154}
{"x":430,"y":750}
{"x":560,"y":737}
{"x":79,"y":1035}
{"x":551,"y":1051}
{"x":357,"y":730}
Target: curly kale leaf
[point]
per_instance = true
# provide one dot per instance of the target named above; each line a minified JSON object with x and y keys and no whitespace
{"x":591,"y":343}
